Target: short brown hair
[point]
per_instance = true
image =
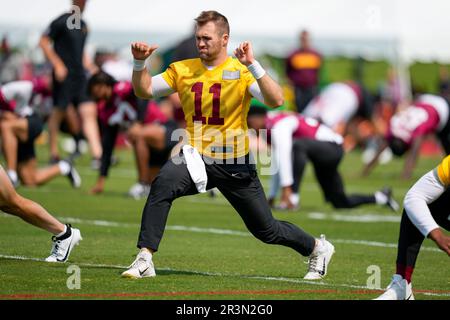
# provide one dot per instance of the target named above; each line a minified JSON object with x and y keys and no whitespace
{"x":219,"y":20}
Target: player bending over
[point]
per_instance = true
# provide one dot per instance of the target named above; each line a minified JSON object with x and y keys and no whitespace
{"x":297,"y":139}
{"x":20,"y":125}
{"x":426,"y":211}
{"x":428,"y":114}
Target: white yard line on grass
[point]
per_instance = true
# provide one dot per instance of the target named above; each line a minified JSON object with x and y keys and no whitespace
{"x":123,"y":173}
{"x":364,"y":218}
{"x":218,"y":231}
{"x":219,"y":274}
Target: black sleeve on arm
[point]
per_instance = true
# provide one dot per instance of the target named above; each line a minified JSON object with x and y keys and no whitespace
{"x":108,"y":141}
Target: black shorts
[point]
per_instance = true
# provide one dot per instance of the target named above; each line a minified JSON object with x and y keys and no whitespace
{"x":159,"y":157}
{"x":25,"y":150}
{"x":72,"y":90}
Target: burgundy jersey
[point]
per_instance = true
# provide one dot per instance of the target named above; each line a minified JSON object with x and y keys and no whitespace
{"x":121,"y":107}
{"x":302,"y":67}
{"x":414,"y":121}
{"x":5,"y":104}
{"x":21,"y":97}
{"x":306,"y":127}
{"x":154,"y":114}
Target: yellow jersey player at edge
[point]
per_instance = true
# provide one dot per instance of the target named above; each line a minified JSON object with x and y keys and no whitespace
{"x":425,"y":212}
{"x":215,"y":91}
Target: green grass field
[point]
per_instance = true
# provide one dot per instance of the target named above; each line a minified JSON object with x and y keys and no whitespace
{"x":206,"y":252}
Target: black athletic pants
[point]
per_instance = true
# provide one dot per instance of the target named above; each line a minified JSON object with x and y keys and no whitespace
{"x":410,"y":239}
{"x":325,"y":157}
{"x":239,"y":184}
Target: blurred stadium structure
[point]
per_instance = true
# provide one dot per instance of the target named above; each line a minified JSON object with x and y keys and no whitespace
{"x":371,"y":35}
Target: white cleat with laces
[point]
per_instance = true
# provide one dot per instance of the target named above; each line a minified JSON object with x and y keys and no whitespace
{"x":62,"y":246}
{"x":398,"y":289}
{"x":141,"y":267}
{"x":319,"y":259}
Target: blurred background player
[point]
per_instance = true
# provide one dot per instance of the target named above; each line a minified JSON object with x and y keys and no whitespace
{"x":408,"y":128}
{"x":63,"y":45}
{"x":148,"y":129}
{"x":153,"y":144}
{"x":303,"y":70}
{"x":426,"y":210}
{"x":20,"y":125}
{"x":338,"y":104}
{"x":64,"y":236}
{"x":296,"y":140}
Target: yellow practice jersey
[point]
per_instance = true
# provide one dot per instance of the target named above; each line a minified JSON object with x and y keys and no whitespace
{"x":215,"y":104}
{"x":443,"y":171}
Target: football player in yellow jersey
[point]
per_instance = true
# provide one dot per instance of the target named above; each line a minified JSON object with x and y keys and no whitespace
{"x":215,"y":91}
{"x":426,"y":211}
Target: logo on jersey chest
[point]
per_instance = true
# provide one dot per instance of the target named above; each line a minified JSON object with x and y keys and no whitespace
{"x":231,"y":75}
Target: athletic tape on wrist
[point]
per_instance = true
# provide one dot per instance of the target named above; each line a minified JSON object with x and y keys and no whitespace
{"x":138,"y":65}
{"x":256,"y":70}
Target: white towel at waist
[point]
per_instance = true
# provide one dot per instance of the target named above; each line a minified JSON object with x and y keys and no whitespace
{"x":196,"y":167}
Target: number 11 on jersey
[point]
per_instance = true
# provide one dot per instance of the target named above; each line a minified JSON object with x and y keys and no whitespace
{"x":215,"y":89}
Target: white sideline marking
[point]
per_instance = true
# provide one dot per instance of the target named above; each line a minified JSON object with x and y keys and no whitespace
{"x":218,"y":274}
{"x":365,"y":218}
{"x":103,"y":223}
{"x":127,"y":174}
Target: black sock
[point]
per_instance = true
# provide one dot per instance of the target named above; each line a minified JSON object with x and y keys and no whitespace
{"x":67,"y":234}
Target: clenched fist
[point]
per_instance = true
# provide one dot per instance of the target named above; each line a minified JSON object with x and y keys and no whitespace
{"x":244,"y":53}
{"x":141,"y":50}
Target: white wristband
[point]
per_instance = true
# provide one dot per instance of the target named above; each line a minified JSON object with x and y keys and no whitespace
{"x":256,"y":70}
{"x":138,"y":65}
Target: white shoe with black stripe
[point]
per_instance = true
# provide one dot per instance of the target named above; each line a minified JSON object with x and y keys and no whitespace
{"x":398,"y":289}
{"x":62,"y":246}
{"x":319,"y":259}
{"x":141,"y":267}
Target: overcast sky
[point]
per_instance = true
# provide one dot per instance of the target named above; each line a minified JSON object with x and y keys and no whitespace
{"x":423,"y":27}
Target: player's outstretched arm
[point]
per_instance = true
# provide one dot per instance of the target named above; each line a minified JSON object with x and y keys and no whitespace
{"x":271,"y":91}
{"x":411,"y":158}
{"x":141,"y":79}
{"x":59,"y":67}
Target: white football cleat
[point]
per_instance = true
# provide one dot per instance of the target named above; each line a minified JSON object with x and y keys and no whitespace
{"x":398,"y":289}
{"x":390,"y":202}
{"x":141,"y":267}
{"x":62,"y":247}
{"x":319,"y":260}
{"x":74,"y":177}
